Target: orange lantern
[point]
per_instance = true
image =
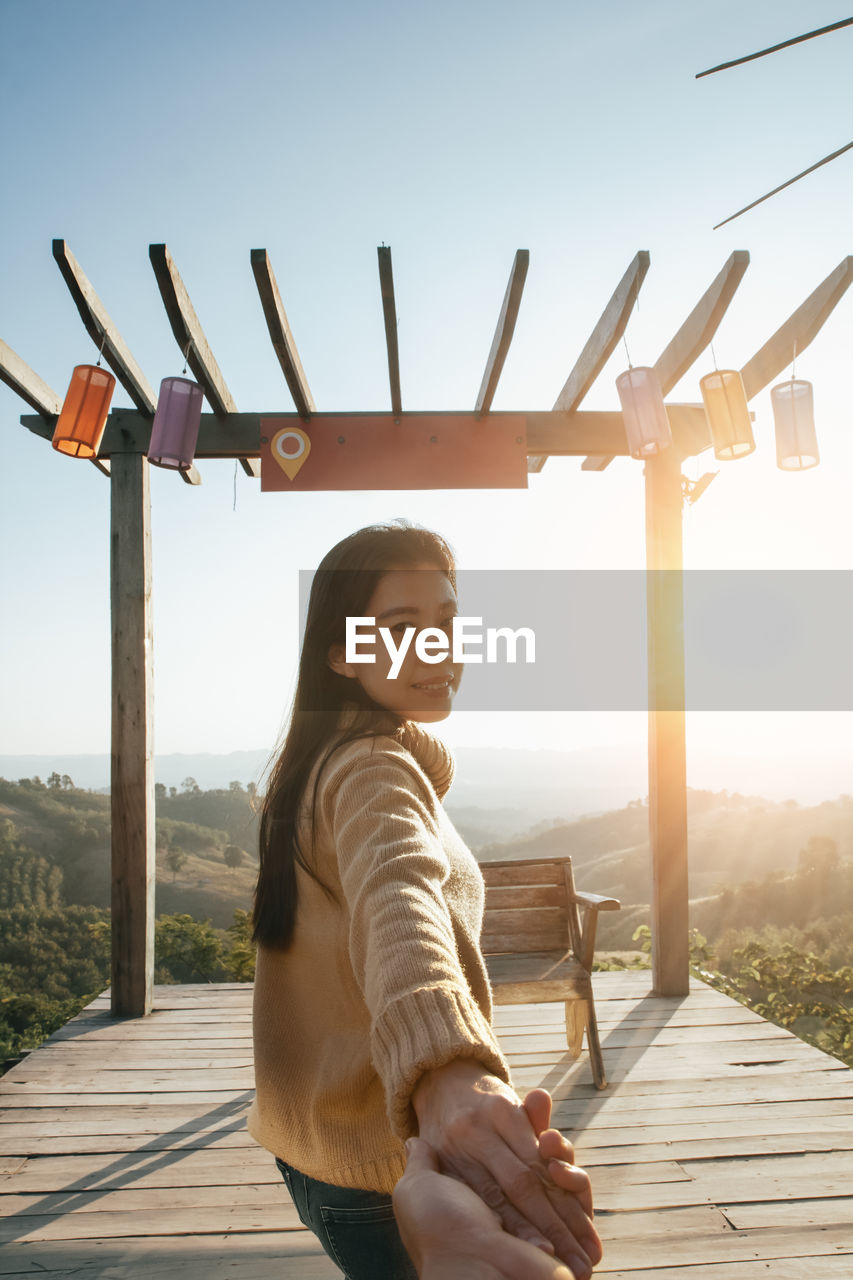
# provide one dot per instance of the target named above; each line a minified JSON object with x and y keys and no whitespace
{"x":80,"y":426}
{"x":727,"y":412}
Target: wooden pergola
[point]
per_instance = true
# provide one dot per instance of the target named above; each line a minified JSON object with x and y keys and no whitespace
{"x":567,"y":430}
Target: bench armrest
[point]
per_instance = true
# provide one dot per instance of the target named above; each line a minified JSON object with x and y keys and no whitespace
{"x":595,"y":901}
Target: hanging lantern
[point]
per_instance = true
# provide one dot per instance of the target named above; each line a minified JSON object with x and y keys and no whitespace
{"x":83,"y":416}
{"x":727,"y":413}
{"x":793,"y":414}
{"x":643,"y":412}
{"x":176,"y":423}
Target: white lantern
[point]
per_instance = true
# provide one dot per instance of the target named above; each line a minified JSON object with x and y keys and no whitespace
{"x":793,"y":414}
{"x":643,"y":412}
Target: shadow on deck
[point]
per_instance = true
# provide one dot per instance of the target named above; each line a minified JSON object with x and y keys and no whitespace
{"x":720,"y":1151}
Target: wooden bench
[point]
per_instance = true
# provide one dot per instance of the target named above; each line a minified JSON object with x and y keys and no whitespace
{"x":538,"y":941}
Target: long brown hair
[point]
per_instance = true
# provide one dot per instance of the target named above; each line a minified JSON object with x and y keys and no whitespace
{"x":342,"y":587}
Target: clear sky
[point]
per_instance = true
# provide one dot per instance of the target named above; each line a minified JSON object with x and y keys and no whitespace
{"x":456,"y":133}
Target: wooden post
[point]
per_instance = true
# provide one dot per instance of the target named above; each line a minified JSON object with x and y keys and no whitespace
{"x":667,"y":748}
{"x":132,"y":781}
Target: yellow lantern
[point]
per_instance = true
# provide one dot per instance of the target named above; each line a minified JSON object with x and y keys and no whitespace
{"x":793,"y":414}
{"x":727,"y":413}
{"x":80,"y":425}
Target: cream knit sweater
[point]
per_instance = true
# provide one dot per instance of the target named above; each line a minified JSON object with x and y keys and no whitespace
{"x":382,"y":985}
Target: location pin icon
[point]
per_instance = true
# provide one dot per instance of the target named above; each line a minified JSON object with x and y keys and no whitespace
{"x":290,"y":459}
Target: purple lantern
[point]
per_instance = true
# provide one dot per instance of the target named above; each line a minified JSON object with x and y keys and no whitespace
{"x":176,"y":423}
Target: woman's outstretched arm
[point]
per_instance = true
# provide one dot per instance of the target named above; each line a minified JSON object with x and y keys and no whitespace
{"x":432,"y":1045}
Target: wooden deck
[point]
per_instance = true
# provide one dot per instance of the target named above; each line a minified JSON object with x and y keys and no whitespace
{"x":720,"y":1151}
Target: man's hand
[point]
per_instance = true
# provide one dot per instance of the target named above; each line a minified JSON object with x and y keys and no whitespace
{"x":451,"y":1234}
{"x":486,"y":1138}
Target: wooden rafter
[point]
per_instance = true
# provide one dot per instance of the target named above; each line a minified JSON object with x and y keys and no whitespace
{"x":503,"y":332}
{"x":774,"y":48}
{"x":702,"y":323}
{"x":26,"y":383}
{"x":797,"y":331}
{"x":189,"y":336}
{"x":599,"y":348}
{"x":281,"y":334}
{"x":389,"y":311}
{"x":101,"y":329}
{"x":188,"y":332}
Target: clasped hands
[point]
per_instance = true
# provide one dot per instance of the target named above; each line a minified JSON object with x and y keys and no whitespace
{"x":524,"y":1211}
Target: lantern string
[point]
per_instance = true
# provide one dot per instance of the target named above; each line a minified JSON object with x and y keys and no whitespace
{"x":714,"y":358}
{"x":101,"y":351}
{"x":627,"y":352}
{"x":187,"y":354}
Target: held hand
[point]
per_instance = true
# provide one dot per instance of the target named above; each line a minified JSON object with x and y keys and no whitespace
{"x":484,"y":1137}
{"x":451,"y":1235}
{"x":554,"y":1146}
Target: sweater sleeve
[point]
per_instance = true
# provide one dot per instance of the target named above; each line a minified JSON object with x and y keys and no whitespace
{"x":403,"y":951}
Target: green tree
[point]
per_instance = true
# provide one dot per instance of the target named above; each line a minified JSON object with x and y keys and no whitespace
{"x":820,"y":855}
{"x":176,"y":859}
{"x":188,"y":950}
{"x":240,"y":954}
{"x":233,"y":856}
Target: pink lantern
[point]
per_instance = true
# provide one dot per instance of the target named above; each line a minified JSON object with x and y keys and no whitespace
{"x":176,"y":423}
{"x":643,"y":412}
{"x":793,"y":414}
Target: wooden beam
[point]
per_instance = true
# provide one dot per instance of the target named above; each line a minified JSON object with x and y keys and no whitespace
{"x":100,"y":328}
{"x":251,"y":466}
{"x":238,"y":435}
{"x":389,"y":311}
{"x":667,"y":743}
{"x":190,"y":476}
{"x":26,"y":383}
{"x":599,"y":348}
{"x":280,"y":334}
{"x":187,"y":330}
{"x":132,"y":775}
{"x":702,"y":323}
{"x":503,"y":332}
{"x":782,"y":185}
{"x":798,"y":330}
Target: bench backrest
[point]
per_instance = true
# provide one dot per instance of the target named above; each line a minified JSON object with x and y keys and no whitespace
{"x":529,"y":906}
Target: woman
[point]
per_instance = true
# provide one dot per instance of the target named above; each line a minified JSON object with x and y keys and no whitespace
{"x":372,"y":1009}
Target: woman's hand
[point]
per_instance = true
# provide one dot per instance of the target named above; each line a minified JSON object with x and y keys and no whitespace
{"x":451,"y":1235}
{"x":484,"y":1137}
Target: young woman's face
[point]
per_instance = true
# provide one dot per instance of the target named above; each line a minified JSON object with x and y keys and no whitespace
{"x":417,"y":596}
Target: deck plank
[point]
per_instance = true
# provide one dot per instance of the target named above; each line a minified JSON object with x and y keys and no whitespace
{"x":720,"y":1151}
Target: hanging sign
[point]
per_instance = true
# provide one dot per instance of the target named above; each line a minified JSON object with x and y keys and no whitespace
{"x":379,"y":451}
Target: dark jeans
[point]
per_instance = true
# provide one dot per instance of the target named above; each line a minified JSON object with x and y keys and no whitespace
{"x":357,"y":1229}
